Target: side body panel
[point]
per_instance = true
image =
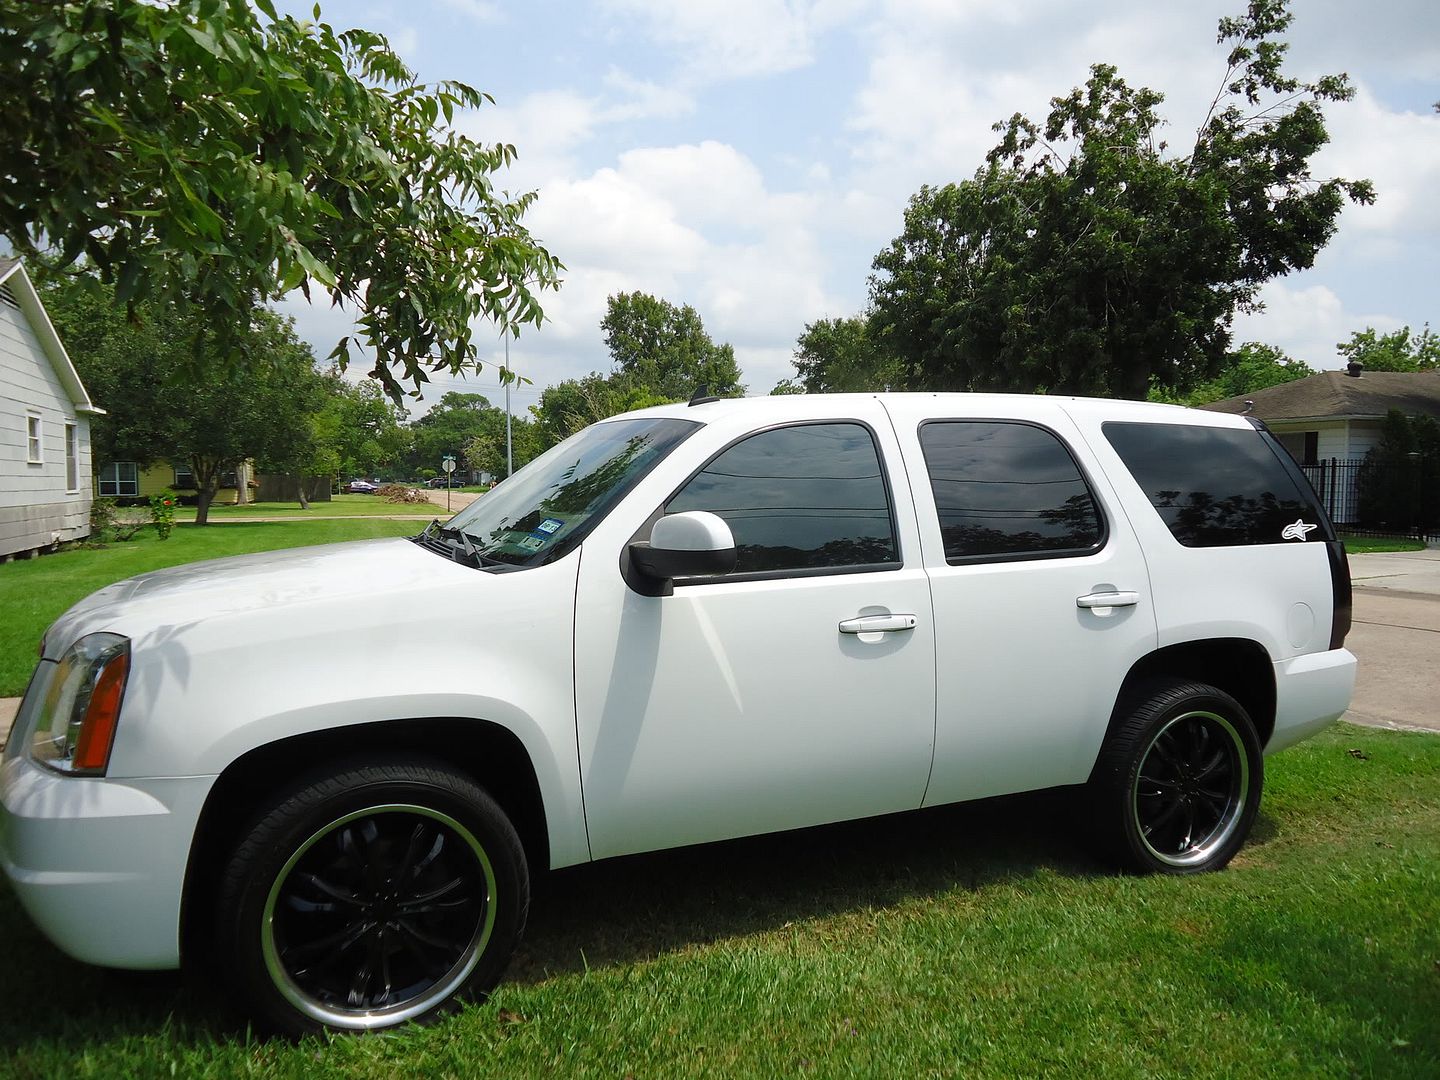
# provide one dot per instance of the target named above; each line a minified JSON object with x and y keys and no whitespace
{"x":1026,"y":679}
{"x":738,"y":707}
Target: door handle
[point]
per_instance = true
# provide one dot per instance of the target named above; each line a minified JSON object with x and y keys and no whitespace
{"x":878,"y":624}
{"x":1107,"y":599}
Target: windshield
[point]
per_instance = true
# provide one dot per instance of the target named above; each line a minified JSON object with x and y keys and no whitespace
{"x":545,"y":509}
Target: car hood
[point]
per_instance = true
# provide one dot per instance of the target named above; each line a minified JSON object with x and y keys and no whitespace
{"x":250,"y":583}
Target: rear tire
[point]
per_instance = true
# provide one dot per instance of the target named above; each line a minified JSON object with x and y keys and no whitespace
{"x":1177,"y":784}
{"x":371,"y":896}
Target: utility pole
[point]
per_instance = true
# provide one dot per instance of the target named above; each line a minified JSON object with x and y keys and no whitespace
{"x":509,"y":454}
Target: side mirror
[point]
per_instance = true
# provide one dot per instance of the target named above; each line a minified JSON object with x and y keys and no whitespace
{"x":692,"y":544}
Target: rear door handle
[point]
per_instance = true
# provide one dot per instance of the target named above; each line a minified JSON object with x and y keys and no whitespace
{"x":1107,"y":599}
{"x":878,"y":624}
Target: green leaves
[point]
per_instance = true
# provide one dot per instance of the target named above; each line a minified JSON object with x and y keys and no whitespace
{"x":1085,"y":257}
{"x":243,"y":154}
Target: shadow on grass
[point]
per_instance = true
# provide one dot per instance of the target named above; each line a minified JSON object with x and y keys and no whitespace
{"x":47,"y":997}
{"x":631,"y":909}
{"x":614,"y":912}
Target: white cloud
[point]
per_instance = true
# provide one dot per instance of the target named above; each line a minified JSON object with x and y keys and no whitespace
{"x":731,"y":39}
{"x":1399,"y":152}
{"x":1306,"y":322}
{"x":694,"y":225}
{"x":481,"y":11}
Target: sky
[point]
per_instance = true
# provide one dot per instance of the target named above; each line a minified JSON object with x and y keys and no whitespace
{"x":751,"y":157}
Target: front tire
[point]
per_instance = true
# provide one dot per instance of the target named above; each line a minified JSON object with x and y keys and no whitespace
{"x":371,"y":896}
{"x":1177,"y":785}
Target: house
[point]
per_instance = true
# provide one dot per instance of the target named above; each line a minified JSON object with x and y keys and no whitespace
{"x":1330,"y":421}
{"x":45,"y":486}
{"x":1337,"y":415}
{"x":129,"y":479}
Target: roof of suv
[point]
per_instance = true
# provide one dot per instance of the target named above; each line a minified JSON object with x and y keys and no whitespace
{"x":960,"y":404}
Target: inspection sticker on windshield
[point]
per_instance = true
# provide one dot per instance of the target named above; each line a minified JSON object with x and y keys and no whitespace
{"x":531,"y":543}
{"x":549,"y":525}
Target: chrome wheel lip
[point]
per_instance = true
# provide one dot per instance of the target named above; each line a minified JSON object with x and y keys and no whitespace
{"x":1199,"y":853}
{"x":437,"y":993}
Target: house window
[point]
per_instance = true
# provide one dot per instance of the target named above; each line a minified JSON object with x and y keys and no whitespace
{"x":184,"y":478}
{"x":119,"y":478}
{"x":32,"y":438}
{"x":72,"y":457}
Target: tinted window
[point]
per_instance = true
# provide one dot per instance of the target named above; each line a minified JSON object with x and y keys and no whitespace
{"x":1214,"y":487}
{"x":799,"y":498}
{"x":1005,"y":489}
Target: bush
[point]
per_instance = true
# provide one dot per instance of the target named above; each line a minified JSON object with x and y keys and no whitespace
{"x":162,"y":514}
{"x":1398,"y":486}
{"x":110,"y":524}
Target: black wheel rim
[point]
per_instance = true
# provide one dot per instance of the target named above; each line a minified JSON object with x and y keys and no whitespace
{"x":1191,"y":789}
{"x":379,"y":916}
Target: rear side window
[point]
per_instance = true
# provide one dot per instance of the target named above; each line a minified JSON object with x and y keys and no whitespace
{"x":1007,"y":490}
{"x":803,"y":498}
{"x":1216,"y":487}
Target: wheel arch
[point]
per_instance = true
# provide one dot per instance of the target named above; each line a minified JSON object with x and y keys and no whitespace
{"x":492,"y":755}
{"x":1239,"y":666}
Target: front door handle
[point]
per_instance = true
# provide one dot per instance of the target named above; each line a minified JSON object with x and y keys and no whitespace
{"x":878,"y":624}
{"x":1107,"y":599}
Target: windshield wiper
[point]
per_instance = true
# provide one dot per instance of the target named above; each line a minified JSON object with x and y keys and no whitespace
{"x":466,"y":545}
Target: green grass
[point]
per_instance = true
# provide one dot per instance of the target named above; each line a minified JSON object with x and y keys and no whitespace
{"x":338,"y":506}
{"x":34,"y":592}
{"x":978,"y":942}
{"x":1364,"y":545}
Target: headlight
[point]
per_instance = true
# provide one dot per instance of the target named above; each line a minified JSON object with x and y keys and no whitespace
{"x":76,"y":725}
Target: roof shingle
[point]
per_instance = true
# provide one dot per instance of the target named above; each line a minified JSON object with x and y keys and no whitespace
{"x":1334,"y":394}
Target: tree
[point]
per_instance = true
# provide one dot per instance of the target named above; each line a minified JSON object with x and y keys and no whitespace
{"x":1085,"y":257}
{"x":665,"y":349}
{"x":159,"y":409}
{"x":1395,"y":351}
{"x":568,"y":406}
{"x":841,"y":356}
{"x":486,"y":451}
{"x":1254,"y":366}
{"x":1398,"y":485}
{"x":446,"y":429}
{"x":210,"y":154}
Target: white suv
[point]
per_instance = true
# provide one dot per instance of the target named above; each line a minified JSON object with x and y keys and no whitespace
{"x":680,"y":625}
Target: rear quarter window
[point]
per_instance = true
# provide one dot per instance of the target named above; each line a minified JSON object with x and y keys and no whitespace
{"x":1217,"y":487}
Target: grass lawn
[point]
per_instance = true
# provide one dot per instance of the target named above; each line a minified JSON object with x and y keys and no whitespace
{"x":34,"y":592}
{"x":338,"y":506}
{"x":976,"y":941}
{"x":1359,"y":545}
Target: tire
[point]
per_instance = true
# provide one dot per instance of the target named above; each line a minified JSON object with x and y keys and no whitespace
{"x":371,"y":895}
{"x":1177,"y":784}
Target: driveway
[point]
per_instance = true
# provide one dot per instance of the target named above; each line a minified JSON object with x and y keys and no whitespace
{"x":1396,"y":635}
{"x":458,"y":499}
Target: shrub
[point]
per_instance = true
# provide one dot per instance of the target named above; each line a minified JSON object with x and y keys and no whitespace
{"x":1398,"y":486}
{"x":162,"y":514}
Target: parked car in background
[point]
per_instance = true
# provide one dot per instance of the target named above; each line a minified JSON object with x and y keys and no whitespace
{"x":447,"y":480}
{"x":678,"y":626}
{"x":361,"y":487}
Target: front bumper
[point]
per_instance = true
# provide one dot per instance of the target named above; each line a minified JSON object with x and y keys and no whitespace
{"x":99,"y":864}
{"x":1311,"y":692}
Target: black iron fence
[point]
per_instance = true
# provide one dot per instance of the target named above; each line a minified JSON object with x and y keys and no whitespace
{"x":1387,"y":498}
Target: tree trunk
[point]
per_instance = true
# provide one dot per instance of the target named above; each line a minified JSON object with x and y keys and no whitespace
{"x":242,"y":483}
{"x":203,"y":497}
{"x":1135,"y":384}
{"x":302,"y":486}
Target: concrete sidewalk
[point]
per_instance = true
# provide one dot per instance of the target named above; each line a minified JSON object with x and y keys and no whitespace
{"x":1396,"y":635}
